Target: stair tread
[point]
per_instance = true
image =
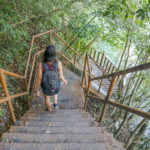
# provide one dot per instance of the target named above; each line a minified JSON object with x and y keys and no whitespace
{"x":59,"y":146}
{"x":55,"y":119}
{"x":55,"y":138}
{"x":54,"y":130}
{"x":55,"y":124}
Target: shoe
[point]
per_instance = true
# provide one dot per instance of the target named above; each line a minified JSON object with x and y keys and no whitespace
{"x":56,"y":106}
{"x":46,"y":109}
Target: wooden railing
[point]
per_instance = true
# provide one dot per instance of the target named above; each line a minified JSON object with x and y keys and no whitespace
{"x":27,"y":81}
{"x":113,"y":77}
{"x":102,"y":60}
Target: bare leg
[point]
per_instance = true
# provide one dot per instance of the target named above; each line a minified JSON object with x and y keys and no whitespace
{"x":55,"y":98}
{"x":47,"y":102}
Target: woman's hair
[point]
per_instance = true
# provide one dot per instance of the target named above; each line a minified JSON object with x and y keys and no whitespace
{"x":50,"y":54}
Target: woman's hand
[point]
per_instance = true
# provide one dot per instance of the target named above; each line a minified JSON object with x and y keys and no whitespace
{"x":38,"y":93}
{"x":65,"y":82}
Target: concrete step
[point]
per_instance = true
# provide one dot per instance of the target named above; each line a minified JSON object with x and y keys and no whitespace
{"x":55,"y":124}
{"x":62,"y":115}
{"x":57,"y":111}
{"x":59,"y":146}
{"x":55,"y":130}
{"x":53,"y":138}
{"x":55,"y":119}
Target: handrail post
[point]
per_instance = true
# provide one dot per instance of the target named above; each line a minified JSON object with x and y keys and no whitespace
{"x":86,"y":98}
{"x":75,"y":61}
{"x":84,"y":70}
{"x":100,"y":84}
{"x":2,"y":77}
{"x":50,"y":37}
{"x":89,"y":83}
{"x":109,"y":93}
{"x":94,"y":54}
{"x":26,"y":87}
{"x":98,"y":57}
{"x":102,"y":58}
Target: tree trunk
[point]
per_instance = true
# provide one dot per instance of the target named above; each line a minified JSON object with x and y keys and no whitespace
{"x":138,"y":136}
{"x":131,"y":137}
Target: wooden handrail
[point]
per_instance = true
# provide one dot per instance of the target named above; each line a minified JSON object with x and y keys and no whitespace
{"x":12,"y":74}
{"x":125,"y":107}
{"x":105,"y":56}
{"x":114,"y":77}
{"x":67,"y":44}
{"x":126,"y":71}
{"x":8,"y":98}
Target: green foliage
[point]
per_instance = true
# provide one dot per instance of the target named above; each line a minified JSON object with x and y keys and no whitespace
{"x":1,"y":112}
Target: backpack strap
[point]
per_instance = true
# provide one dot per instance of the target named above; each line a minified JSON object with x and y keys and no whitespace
{"x":56,"y":67}
{"x":44,"y":67}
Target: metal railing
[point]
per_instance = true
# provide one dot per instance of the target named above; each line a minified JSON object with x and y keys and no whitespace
{"x":113,"y":77}
{"x":27,"y":81}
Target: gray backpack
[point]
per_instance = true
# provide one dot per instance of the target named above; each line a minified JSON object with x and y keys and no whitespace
{"x":50,"y":79}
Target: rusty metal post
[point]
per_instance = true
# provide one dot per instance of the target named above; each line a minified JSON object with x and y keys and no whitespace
{"x":109,"y":93}
{"x":50,"y":37}
{"x":84,"y":70}
{"x":75,"y":61}
{"x":2,"y":77}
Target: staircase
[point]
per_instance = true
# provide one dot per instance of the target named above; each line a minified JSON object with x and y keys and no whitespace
{"x":65,"y":129}
{"x":69,"y":128}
